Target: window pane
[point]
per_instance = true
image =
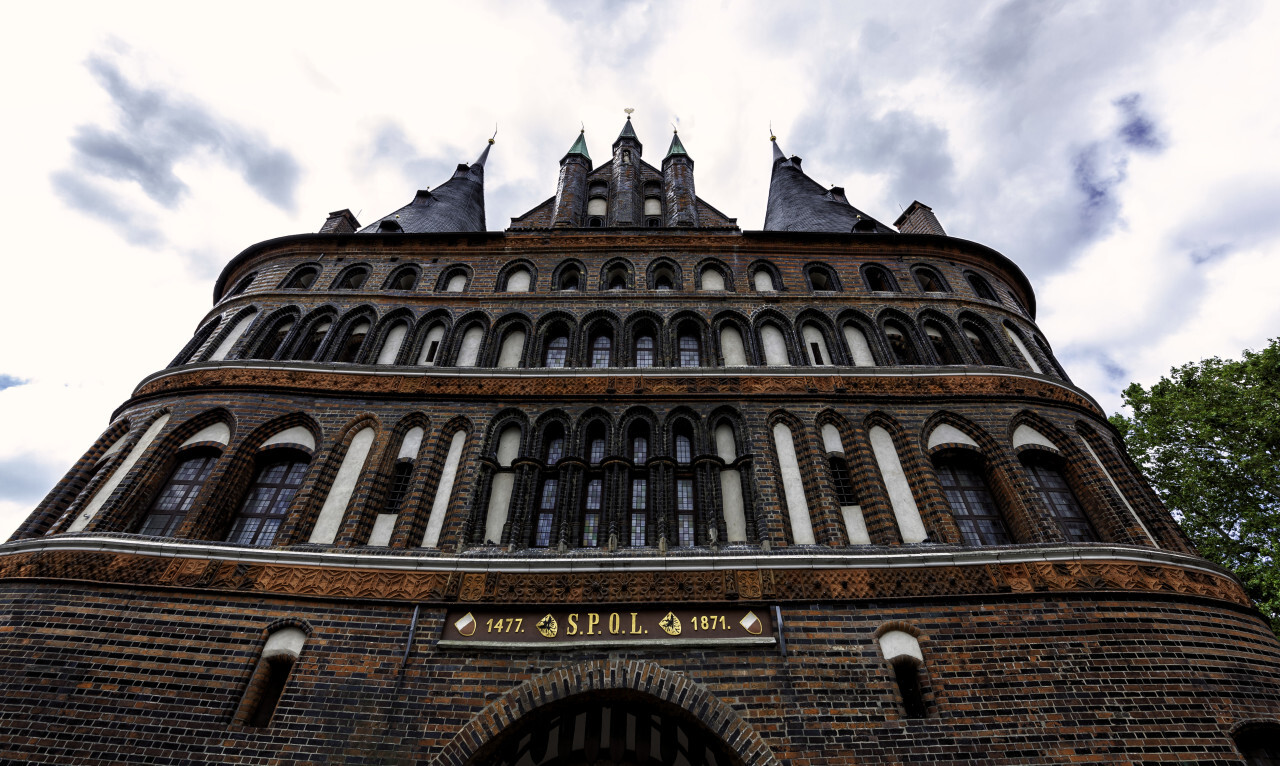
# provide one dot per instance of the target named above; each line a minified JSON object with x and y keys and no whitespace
{"x":689,"y":356}
{"x":639,"y":449}
{"x":684,"y":494}
{"x":597,"y":450}
{"x":542,"y":536}
{"x":595,"y":491}
{"x":972,"y":505}
{"x":267,"y":502}
{"x":684,"y":529}
{"x":171,"y":504}
{"x":549,"y":489}
{"x":591,"y":530}
{"x":601,"y":351}
{"x":638,"y":521}
{"x":644,"y":351}
{"x":1062,"y":503}
{"x":558,"y":351}
{"x":683,"y":449}
{"x":639,"y":494}
{"x":555,"y":451}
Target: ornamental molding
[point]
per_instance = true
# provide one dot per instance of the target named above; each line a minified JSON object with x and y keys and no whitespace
{"x":512,"y":580}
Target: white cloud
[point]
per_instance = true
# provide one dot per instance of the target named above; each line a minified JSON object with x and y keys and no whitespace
{"x":980,"y":110}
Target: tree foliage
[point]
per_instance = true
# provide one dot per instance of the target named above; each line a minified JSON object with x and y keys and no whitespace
{"x":1208,"y":439}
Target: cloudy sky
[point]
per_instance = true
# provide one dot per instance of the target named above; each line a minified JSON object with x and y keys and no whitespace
{"x":1124,"y":154}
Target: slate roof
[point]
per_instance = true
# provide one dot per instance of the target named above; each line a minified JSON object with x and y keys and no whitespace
{"x":455,"y":205}
{"x":799,"y":203}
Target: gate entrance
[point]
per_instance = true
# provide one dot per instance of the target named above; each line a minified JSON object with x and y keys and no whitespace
{"x":596,"y":729}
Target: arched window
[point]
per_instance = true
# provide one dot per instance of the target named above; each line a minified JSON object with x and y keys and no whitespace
{"x":1048,"y":355}
{"x":902,"y":651}
{"x":570,"y":279}
{"x":398,"y":489}
{"x":315,"y":337}
{"x":273,"y":339}
{"x":384,"y":523}
{"x":392,"y":342}
{"x":232,"y":335}
{"x":595,"y":222}
{"x":1046,"y":475}
{"x":775,"y":346}
{"x":617,"y":277}
{"x":452,"y":280}
{"x":1259,"y":743}
{"x":653,"y":207}
{"x":929,"y":280}
{"x":511,"y":352}
{"x":352,"y":279}
{"x":981,"y":287}
{"x":664,"y":276}
{"x":302,"y":279}
{"x":502,"y":483}
{"x":859,"y":348}
{"x":1015,"y":338}
{"x":971,"y":501}
{"x":597,"y":209}
{"x":981,"y":346}
{"x":431,"y":345}
{"x":601,"y":351}
{"x":350,"y":350}
{"x":904,"y":351}
{"x":690,"y":349}
{"x":267,"y":684}
{"x":469,"y":353}
{"x":557,"y":351}
{"x":593,"y":482}
{"x":941,"y":346}
{"x":686,"y":496}
{"x":712,"y":278}
{"x":241,"y":286}
{"x":555,"y":446}
{"x":518,"y":280}
{"x":404,"y":278}
{"x":732,"y":349}
{"x":815,"y":343}
{"x":171,"y":505}
{"x":842,"y":483}
{"x":731,"y":483}
{"x":266,"y":504}
{"x":763,"y":280}
{"x":638,"y":502}
{"x":878,"y":279}
{"x":822,"y":278}
{"x":548,"y":498}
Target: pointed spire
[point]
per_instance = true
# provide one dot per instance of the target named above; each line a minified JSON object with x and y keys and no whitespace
{"x":676,"y":146}
{"x":777,"y":151}
{"x":455,"y":205}
{"x":798,"y":203}
{"x":579,"y":146}
{"x":628,"y":133}
{"x":484,"y":156}
{"x":627,"y":130}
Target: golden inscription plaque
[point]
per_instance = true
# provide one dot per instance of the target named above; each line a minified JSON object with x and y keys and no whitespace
{"x":605,"y":626}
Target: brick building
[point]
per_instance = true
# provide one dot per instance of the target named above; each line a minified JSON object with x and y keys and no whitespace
{"x":621,"y":484}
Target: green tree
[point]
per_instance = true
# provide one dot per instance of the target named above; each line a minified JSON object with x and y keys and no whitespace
{"x":1208,"y":439}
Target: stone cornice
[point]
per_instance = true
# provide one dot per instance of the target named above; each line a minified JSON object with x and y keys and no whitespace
{"x":455,"y":384}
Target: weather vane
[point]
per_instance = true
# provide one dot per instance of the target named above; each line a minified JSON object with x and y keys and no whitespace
{"x":495,"y":132}
{"x":628,"y":110}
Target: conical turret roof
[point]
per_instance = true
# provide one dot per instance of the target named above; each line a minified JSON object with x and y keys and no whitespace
{"x":676,"y":147}
{"x":579,"y":146}
{"x":798,"y":203}
{"x":626,"y":133}
{"x":455,"y":205}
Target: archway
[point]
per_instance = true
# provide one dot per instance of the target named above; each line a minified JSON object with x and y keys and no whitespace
{"x":607,"y":729}
{"x":608,"y":713}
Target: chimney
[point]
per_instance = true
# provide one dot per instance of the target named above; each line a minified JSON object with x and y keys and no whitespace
{"x":918,"y":218}
{"x":340,"y":222}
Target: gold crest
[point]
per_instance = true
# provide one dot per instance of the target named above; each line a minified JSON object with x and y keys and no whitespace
{"x":670,"y":623}
{"x":751,"y":623}
{"x":547,"y":626}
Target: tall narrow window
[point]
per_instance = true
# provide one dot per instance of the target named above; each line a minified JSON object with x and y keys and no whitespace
{"x":558,"y":351}
{"x":546,"y":513}
{"x":170,"y":507}
{"x":273,"y":340}
{"x":840,"y":480}
{"x":399,"y":489}
{"x":683,"y":448}
{"x":267,"y":502}
{"x":639,"y":512}
{"x":270,"y":677}
{"x":972,"y":505}
{"x":640,"y":449}
{"x":1062,"y":503}
{"x":555,"y":450}
{"x":307,"y":351}
{"x":597,"y":451}
{"x":941,"y":347}
{"x":907,"y":674}
{"x":690,"y":351}
{"x":591,"y":513}
{"x":351,"y":346}
{"x":878,"y":280}
{"x":431,"y":346}
{"x":982,"y":347}
{"x":601,"y":351}
{"x":644,"y":351}
{"x":684,"y":512}
{"x":904,"y":352}
{"x":981,"y":288}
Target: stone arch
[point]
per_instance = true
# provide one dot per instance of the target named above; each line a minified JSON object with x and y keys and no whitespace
{"x":639,"y":414}
{"x":288,"y":282}
{"x":453,"y":348}
{"x":202,"y":334}
{"x":542,"y":427}
{"x":644,"y":322}
{"x":686,"y":323}
{"x":312,"y":335}
{"x":379,"y":335}
{"x":631,"y":676}
{"x":554,"y":324}
{"x":593,"y":325}
{"x":449,"y":272}
{"x":667,"y":266}
{"x":501,"y":284}
{"x":348,"y":273}
{"x":726,"y":273}
{"x":79,"y":483}
{"x":341,"y":332}
{"x":416,"y":348}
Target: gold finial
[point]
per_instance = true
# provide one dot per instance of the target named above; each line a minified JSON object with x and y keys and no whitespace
{"x":583,"y":129}
{"x":674,"y":129}
{"x":628,"y":110}
{"x":771,"y":136}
